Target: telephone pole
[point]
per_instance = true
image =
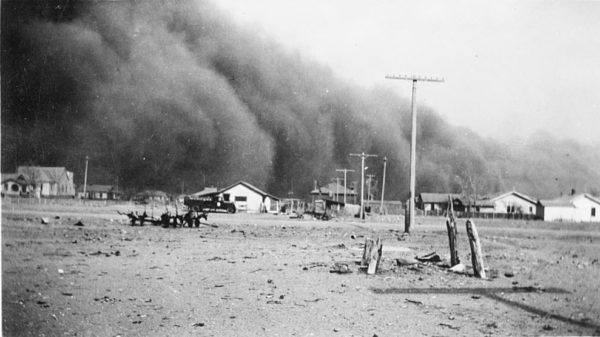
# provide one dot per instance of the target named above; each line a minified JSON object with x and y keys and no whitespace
{"x":362,"y":179}
{"x":85,"y":176}
{"x":383,"y":185}
{"x":413,"y":141}
{"x":370,"y":176}
{"x":345,"y":188}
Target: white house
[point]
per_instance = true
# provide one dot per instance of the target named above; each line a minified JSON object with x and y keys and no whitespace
{"x":14,"y":184}
{"x":249,"y":198}
{"x":572,"y":208}
{"x":512,"y":202}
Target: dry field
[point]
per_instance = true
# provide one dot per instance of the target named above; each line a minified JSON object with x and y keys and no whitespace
{"x":268,"y":275}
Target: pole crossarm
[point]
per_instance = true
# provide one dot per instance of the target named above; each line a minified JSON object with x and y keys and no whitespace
{"x":415,"y":78}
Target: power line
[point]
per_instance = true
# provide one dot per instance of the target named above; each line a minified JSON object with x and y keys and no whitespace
{"x":345,"y":188}
{"x":413,"y":141}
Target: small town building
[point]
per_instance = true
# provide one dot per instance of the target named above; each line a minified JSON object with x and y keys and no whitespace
{"x":38,"y":181}
{"x":98,"y":192}
{"x":572,"y":208}
{"x":14,"y":184}
{"x":437,"y":203}
{"x":149,"y":196}
{"x":250,"y":198}
{"x":511,"y":202}
{"x":334,"y":191}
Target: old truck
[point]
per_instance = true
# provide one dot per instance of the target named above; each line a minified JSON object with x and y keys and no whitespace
{"x":210,"y":203}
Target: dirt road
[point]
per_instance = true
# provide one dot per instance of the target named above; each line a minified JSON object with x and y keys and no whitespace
{"x":270,"y":276}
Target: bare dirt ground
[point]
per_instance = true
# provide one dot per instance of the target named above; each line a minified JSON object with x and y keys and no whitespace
{"x":270,"y":276}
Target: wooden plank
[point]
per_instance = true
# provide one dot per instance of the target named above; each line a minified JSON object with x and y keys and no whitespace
{"x":476,"y":256}
{"x":452,"y":234}
{"x":372,"y":255}
{"x":366,"y":258}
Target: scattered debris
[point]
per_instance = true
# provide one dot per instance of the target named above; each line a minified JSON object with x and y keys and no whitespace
{"x":413,"y":301}
{"x":45,"y":221}
{"x":548,"y":327}
{"x":509,"y":274}
{"x":57,"y":217}
{"x":400,"y":262}
{"x":340,"y":268}
{"x":492,"y":325}
{"x":431,"y":257}
{"x":79,"y":224}
{"x":199,"y":324}
{"x":449,"y":326}
{"x":459,"y":268}
{"x":315,"y":300}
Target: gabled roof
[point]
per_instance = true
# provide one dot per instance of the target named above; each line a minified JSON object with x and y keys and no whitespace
{"x":251,"y":187}
{"x":567,"y":201}
{"x":515,"y":193}
{"x":437,"y":198}
{"x":93,"y":188}
{"x":42,"y":174}
{"x":333,"y":188}
{"x":10,"y":176}
{"x":205,"y":191}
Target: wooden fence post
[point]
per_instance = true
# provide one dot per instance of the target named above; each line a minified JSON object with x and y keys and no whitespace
{"x":372,"y":255}
{"x":476,"y":256}
{"x":452,"y":234}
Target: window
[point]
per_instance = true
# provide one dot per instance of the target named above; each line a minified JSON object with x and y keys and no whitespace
{"x":226,"y":196}
{"x":530,"y":209}
{"x":15,"y":188}
{"x":593,"y":211}
{"x":241,"y":198}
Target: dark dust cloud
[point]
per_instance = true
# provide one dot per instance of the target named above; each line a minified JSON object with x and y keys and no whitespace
{"x":165,"y":93}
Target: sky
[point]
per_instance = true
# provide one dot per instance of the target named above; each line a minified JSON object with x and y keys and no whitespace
{"x":511,"y":68}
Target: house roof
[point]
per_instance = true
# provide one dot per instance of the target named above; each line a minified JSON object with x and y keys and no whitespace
{"x":205,"y":191}
{"x":152,"y":193}
{"x":437,"y":198}
{"x":250,"y":186}
{"x":10,"y":176}
{"x":333,"y":188}
{"x":42,"y":174}
{"x":567,"y":201}
{"x":93,"y":188}
{"x":515,"y":193}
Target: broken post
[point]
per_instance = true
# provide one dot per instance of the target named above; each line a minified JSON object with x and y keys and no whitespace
{"x":372,"y":255}
{"x":476,"y":256}
{"x":452,"y":234}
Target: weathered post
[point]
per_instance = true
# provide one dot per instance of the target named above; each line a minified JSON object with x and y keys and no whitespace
{"x":406,"y":217}
{"x":476,"y":256}
{"x":452,"y":234}
{"x":372,"y":255}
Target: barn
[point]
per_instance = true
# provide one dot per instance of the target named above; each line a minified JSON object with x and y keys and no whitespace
{"x":249,"y":198}
{"x":572,"y":208}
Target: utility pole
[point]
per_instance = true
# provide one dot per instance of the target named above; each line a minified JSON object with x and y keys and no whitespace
{"x":383,"y":185}
{"x":413,"y":141}
{"x":85,"y":176}
{"x":345,"y":188}
{"x":362,"y":179}
{"x":371,"y":176}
